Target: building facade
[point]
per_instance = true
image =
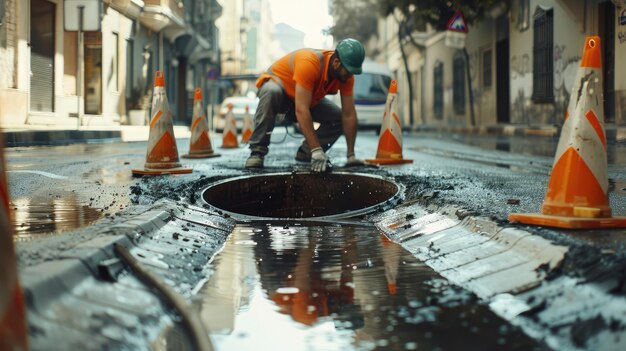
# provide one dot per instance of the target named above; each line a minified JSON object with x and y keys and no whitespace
{"x":48,"y":80}
{"x":521,"y":59}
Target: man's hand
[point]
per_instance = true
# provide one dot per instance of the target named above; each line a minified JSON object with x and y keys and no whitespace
{"x":319,"y":161}
{"x":353,"y":161}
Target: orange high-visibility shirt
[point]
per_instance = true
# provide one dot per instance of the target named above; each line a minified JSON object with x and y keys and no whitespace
{"x":309,"y":69}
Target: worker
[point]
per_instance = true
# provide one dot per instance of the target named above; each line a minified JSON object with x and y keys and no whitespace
{"x":298,"y":83}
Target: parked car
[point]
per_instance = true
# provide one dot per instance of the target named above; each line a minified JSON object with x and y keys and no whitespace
{"x":239,"y":110}
{"x":370,"y":94}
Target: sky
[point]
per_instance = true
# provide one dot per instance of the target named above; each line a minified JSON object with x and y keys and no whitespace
{"x":308,"y":16}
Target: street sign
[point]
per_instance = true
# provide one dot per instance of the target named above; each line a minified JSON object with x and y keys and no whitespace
{"x":457,"y":23}
{"x":455,"y":39}
{"x":91,"y":13}
{"x":456,"y":31}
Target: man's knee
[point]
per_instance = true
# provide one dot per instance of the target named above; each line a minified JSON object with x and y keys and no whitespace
{"x":270,"y":90}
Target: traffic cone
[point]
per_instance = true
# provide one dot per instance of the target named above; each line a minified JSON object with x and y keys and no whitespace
{"x":230,"y":130}
{"x":162,"y":155}
{"x":577,"y":194}
{"x":13,"y":335}
{"x":246,"y":133}
{"x":200,"y":143}
{"x":390,"y":141}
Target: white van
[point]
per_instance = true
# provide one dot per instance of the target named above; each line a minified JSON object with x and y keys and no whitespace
{"x":370,"y":94}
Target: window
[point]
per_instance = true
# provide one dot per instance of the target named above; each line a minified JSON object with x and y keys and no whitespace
{"x":3,"y":31}
{"x":543,"y":56}
{"x":116,"y":62}
{"x":2,"y":7}
{"x":130,"y":71}
{"x":438,"y":90}
{"x":487,"y":68}
{"x":458,"y":82}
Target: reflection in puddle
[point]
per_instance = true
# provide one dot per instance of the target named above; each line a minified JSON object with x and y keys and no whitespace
{"x":109,"y":176}
{"x":37,"y":216}
{"x":328,"y":287}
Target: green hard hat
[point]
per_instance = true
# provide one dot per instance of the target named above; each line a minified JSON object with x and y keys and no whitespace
{"x":351,"y":54}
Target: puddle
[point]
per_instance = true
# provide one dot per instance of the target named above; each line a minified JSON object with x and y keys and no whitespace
{"x":109,"y":176}
{"x":331,"y":287}
{"x":33,"y":217}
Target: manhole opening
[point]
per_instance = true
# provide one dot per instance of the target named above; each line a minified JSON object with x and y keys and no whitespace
{"x":302,"y":195}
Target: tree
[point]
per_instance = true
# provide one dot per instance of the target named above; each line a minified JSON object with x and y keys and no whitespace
{"x":416,"y":13}
{"x":354,"y":19}
{"x":437,"y":13}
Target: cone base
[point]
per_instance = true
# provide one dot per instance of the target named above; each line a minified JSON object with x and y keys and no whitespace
{"x":201,"y":155}
{"x":152,"y":171}
{"x":388,"y":161}
{"x":568,"y":222}
{"x":229,"y":146}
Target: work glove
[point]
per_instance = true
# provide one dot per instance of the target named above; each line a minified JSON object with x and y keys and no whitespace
{"x":319,"y":161}
{"x":353,"y":161}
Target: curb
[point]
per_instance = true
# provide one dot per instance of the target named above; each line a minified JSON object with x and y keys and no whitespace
{"x":58,"y":137}
{"x":73,"y":296}
{"x":55,"y":137}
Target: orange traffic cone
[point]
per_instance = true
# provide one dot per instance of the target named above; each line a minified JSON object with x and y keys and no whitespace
{"x":162,"y":156}
{"x":230,"y":130}
{"x":390,"y":141}
{"x":577,"y":194}
{"x":200,"y":143}
{"x":246,"y":133}
{"x":13,"y":334}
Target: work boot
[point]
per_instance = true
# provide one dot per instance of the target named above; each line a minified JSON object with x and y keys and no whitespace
{"x":302,"y":156}
{"x":254,"y":161}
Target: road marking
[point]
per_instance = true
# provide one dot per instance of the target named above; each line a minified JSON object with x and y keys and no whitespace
{"x":45,"y":174}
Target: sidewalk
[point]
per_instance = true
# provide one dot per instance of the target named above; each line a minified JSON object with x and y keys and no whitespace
{"x":51,"y":135}
{"x":613,"y":133}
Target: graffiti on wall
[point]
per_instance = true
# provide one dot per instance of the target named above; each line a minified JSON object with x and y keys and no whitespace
{"x":564,"y":74}
{"x":622,"y":37}
{"x":521,"y":88}
{"x":520,"y":65}
{"x":523,"y":109}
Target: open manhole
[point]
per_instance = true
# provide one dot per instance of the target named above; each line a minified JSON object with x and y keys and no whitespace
{"x":302,"y":195}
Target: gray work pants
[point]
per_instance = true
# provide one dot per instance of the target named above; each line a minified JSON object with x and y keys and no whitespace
{"x":274,"y":101}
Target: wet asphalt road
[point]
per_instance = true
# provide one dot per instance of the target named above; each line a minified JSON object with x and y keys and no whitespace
{"x":57,"y":189}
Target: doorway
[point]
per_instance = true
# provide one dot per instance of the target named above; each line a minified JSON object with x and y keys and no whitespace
{"x":42,"y":41}
{"x":502,"y":75}
{"x":93,"y":73}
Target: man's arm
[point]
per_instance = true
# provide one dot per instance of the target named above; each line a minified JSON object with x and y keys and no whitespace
{"x":349,"y":121}
{"x":303,"y":115}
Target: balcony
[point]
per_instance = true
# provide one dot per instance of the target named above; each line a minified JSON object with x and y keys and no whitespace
{"x":159,"y":14}
{"x":129,"y":8}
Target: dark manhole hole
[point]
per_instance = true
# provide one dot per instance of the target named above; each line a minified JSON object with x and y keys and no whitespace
{"x":302,"y":195}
